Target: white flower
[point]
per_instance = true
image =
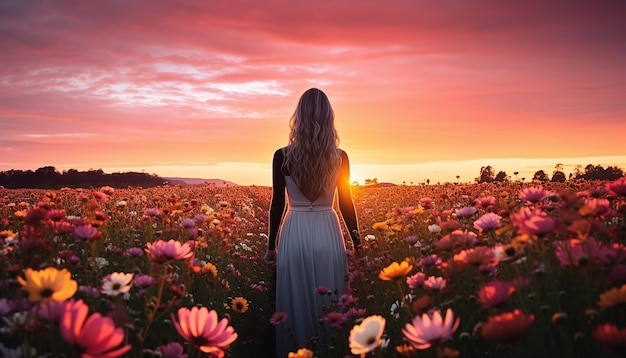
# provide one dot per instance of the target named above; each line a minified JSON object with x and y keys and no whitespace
{"x":100,"y":262}
{"x":367,"y":336}
{"x":116,"y":283}
{"x":434,"y":228}
{"x":370,"y":237}
{"x":121,"y":203}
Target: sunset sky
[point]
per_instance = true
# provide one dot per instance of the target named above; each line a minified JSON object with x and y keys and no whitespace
{"x":421,"y":89}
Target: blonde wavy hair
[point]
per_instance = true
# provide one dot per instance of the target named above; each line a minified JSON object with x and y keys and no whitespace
{"x":312,"y":157}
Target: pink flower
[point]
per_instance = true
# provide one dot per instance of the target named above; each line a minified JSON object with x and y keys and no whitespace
{"x":86,"y":232}
{"x":435,"y":283}
{"x":335,"y":319}
{"x":93,"y":336}
{"x":495,"y":293}
{"x":488,"y":221}
{"x":486,"y":201}
{"x":200,"y":327}
{"x":416,"y":281}
{"x":576,"y":252}
{"x":533,"y":222}
{"x":466,"y":211}
{"x":163,"y":251}
{"x":617,"y":187}
{"x":427,"y":331}
{"x":534,"y":194}
{"x":278,"y":318}
{"x":322,"y":290}
{"x":171,"y":350}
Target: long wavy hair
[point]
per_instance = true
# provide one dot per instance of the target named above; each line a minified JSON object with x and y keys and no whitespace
{"x":312,"y":157}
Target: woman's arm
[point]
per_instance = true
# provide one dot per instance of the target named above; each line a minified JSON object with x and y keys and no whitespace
{"x":346,"y":205}
{"x":277,"y":206}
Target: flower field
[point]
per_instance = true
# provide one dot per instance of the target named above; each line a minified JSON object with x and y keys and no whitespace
{"x":469,"y":270}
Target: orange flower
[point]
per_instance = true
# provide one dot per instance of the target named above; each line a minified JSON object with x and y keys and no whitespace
{"x":49,"y":283}
{"x":301,"y":353}
{"x":613,"y":297}
{"x":239,"y":304}
{"x":609,"y":336}
{"x":506,"y":327}
{"x":395,"y":271}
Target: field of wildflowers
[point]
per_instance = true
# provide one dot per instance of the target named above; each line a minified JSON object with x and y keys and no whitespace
{"x":470,"y":270}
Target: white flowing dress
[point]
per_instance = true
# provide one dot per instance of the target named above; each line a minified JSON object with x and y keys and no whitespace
{"x":311,"y":253}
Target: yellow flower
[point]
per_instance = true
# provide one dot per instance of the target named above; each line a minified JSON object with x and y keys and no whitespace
{"x":395,"y":271}
{"x":380,"y":226}
{"x":48,"y":283}
{"x":209,"y":267}
{"x":613,"y":297}
{"x":301,"y":353}
{"x":239,"y":304}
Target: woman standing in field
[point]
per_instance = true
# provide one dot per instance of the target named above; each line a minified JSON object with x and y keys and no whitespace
{"x":311,"y":249}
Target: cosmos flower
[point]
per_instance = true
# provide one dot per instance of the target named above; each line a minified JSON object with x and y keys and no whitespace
{"x":86,"y":233}
{"x":612,"y":297}
{"x":435,"y":283}
{"x":367,"y":336}
{"x":395,"y":271}
{"x":495,"y":293}
{"x":162,"y":251}
{"x":200,"y":327}
{"x":426,"y":331}
{"x":506,"y":327}
{"x":278,"y":318}
{"x":239,"y":304}
{"x":93,"y":336}
{"x":610,"y":336}
{"x":533,"y":222}
{"x":335,"y":319}
{"x":171,"y":350}
{"x":49,"y":283}
{"x":416,"y":281}
{"x":488,"y":221}
{"x":116,"y":283}
{"x":534,"y":195}
{"x":617,"y":187}
{"x":465,"y":211}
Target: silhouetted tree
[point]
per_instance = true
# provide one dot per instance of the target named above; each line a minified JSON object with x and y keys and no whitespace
{"x":558,"y":175}
{"x":541,"y":176}
{"x":501,"y":177}
{"x":486,"y":175}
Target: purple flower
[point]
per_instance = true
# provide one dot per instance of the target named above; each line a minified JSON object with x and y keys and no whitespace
{"x":488,"y":221}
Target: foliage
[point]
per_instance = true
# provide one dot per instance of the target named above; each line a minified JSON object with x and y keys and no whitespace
{"x":549,"y":259}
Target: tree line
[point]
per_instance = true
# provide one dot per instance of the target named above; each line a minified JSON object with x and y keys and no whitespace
{"x":49,"y":178}
{"x":590,"y":172}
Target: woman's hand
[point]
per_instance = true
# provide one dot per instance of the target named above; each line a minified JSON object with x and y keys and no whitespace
{"x":270,"y":258}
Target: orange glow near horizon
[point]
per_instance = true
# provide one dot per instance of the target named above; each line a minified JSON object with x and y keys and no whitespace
{"x":421,"y":90}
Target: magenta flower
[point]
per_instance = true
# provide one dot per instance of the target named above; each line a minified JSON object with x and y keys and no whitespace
{"x":93,"y":336}
{"x":163,"y":251}
{"x":278,"y":318}
{"x":465,"y":211}
{"x":171,"y":350}
{"x":488,"y":221}
{"x":335,"y":319}
{"x":200,"y":327}
{"x":86,"y":232}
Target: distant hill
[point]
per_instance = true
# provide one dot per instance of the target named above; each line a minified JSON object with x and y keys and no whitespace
{"x":198,"y":181}
{"x":379,"y":185}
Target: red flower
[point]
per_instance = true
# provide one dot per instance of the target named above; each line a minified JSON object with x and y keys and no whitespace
{"x":505,"y":328}
{"x":93,"y":336}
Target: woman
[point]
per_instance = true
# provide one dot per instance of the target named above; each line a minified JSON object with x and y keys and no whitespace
{"x":311,"y":249}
